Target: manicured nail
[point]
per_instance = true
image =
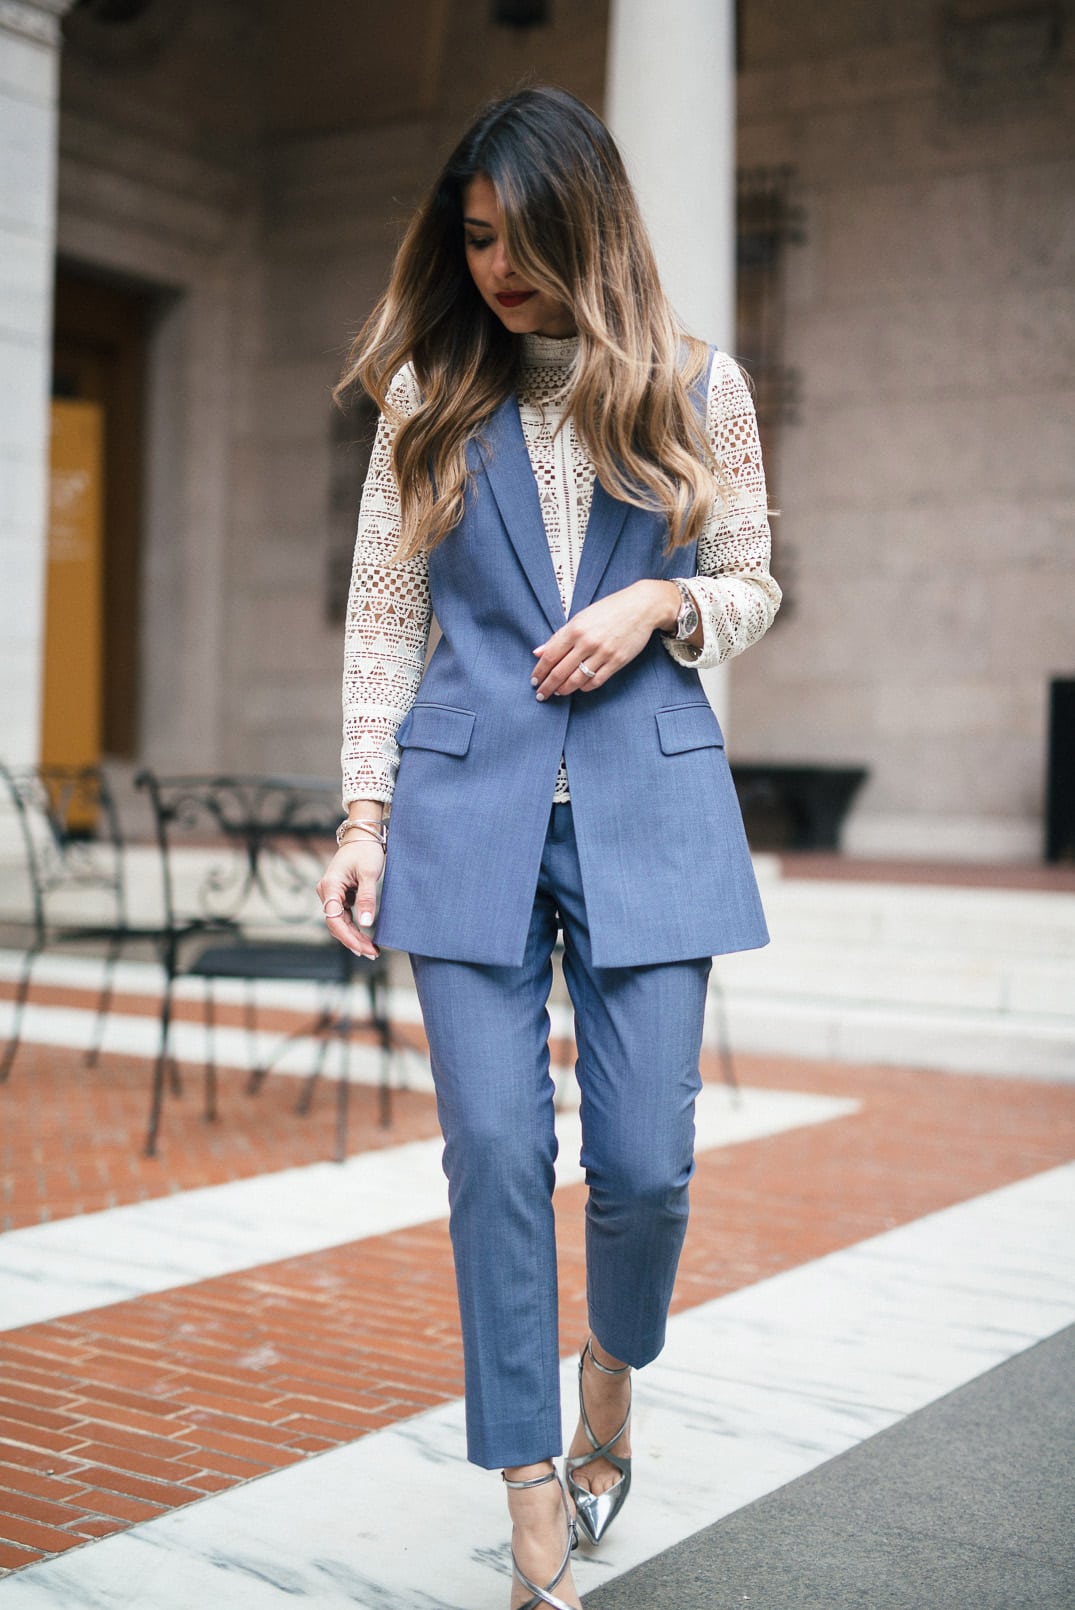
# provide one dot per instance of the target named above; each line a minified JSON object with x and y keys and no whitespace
{"x":541,"y":698}
{"x":533,"y":681}
{"x":366,"y":918}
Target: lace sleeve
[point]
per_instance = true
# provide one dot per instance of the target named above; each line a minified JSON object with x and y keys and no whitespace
{"x":737,"y":598}
{"x":388,"y":619}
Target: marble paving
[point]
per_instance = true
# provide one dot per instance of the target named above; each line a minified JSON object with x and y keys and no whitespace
{"x":754,"y":1389}
{"x":135,"y":1035}
{"x":48,"y":1270}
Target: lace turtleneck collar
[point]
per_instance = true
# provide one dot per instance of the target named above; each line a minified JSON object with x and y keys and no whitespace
{"x":549,"y":352}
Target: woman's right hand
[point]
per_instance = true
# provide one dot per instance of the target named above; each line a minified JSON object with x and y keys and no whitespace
{"x":349,"y":890}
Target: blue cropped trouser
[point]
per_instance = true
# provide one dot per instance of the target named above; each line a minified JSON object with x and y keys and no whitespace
{"x":638,"y":1031}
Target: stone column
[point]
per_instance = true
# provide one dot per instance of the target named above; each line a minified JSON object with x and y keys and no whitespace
{"x":670,"y":101}
{"x":29,"y":71}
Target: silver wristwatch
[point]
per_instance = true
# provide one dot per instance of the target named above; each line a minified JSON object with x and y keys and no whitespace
{"x":687,"y":619}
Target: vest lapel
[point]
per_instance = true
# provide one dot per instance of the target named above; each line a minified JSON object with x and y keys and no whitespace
{"x":502,"y":447}
{"x":602,"y":531}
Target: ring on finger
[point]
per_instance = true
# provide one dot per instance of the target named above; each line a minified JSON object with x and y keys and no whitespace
{"x":330,"y":914}
{"x":585,"y":669}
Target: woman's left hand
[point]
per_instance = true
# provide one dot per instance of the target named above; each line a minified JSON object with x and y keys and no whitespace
{"x":603,"y":637}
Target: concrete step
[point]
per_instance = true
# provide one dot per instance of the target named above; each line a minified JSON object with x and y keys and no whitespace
{"x":980,"y":980}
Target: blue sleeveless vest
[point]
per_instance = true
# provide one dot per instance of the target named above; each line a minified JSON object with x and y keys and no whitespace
{"x":664,"y":859}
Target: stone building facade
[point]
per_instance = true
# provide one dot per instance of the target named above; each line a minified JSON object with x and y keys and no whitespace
{"x":928,"y":484}
{"x":240,"y":172}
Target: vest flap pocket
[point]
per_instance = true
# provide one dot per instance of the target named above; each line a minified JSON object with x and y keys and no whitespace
{"x":688,"y":726}
{"x":436,"y":726}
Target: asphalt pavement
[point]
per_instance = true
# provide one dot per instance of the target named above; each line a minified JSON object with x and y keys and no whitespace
{"x":968,"y":1504}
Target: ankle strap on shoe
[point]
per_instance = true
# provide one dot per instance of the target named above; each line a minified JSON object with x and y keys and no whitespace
{"x":535,"y":1481}
{"x":606,"y":1369}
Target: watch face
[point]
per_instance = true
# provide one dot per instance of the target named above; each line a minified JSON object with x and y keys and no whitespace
{"x":687,"y":621}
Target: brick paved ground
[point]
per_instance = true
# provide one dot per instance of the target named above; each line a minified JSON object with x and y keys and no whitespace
{"x":52,"y":1103}
{"x":115,"y":1415}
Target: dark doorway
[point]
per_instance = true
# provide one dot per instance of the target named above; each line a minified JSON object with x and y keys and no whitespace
{"x":99,"y":355}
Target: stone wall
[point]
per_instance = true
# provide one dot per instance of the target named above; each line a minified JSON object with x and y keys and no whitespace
{"x":928,"y":487}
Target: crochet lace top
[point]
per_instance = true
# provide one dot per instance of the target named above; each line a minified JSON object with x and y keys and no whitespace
{"x":389,"y":612}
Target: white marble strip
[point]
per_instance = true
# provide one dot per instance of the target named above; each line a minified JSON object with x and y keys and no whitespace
{"x":137,"y":1034}
{"x":752,"y":1390}
{"x":49,"y":1270}
{"x":128,"y":1034}
{"x":66,"y":971}
{"x":72,"y":1026}
{"x":83,"y":972}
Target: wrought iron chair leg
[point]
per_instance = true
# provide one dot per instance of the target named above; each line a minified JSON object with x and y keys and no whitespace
{"x":322,"y":1028}
{"x":104,"y":1002}
{"x":384,"y":1093}
{"x":250,"y":1023}
{"x":22,"y":990}
{"x":157,"y":1098}
{"x":210,"y":1053}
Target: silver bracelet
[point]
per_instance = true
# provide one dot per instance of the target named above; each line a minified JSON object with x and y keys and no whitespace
{"x":373,"y":830}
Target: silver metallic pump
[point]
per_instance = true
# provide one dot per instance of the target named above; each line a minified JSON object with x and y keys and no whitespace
{"x":595,"y":1512}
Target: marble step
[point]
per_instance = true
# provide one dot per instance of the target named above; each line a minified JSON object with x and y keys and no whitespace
{"x":1011,"y":1045}
{"x":978,"y":980}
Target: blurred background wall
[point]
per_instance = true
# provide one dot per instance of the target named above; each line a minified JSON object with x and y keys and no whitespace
{"x":231,"y":177}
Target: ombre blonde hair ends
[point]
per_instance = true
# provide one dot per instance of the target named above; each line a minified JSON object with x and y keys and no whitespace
{"x":573,"y":229}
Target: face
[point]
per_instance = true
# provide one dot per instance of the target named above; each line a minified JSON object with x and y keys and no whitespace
{"x":519,"y":307}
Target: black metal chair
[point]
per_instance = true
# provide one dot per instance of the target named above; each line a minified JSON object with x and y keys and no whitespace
{"x":72,"y":858}
{"x":240,"y":857}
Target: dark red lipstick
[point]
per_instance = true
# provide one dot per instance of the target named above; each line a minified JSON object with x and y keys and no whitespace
{"x":513,"y":298}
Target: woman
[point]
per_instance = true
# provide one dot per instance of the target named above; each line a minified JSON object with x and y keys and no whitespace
{"x":573,"y":485}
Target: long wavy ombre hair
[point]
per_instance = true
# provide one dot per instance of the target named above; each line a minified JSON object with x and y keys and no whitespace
{"x":572,"y":228}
